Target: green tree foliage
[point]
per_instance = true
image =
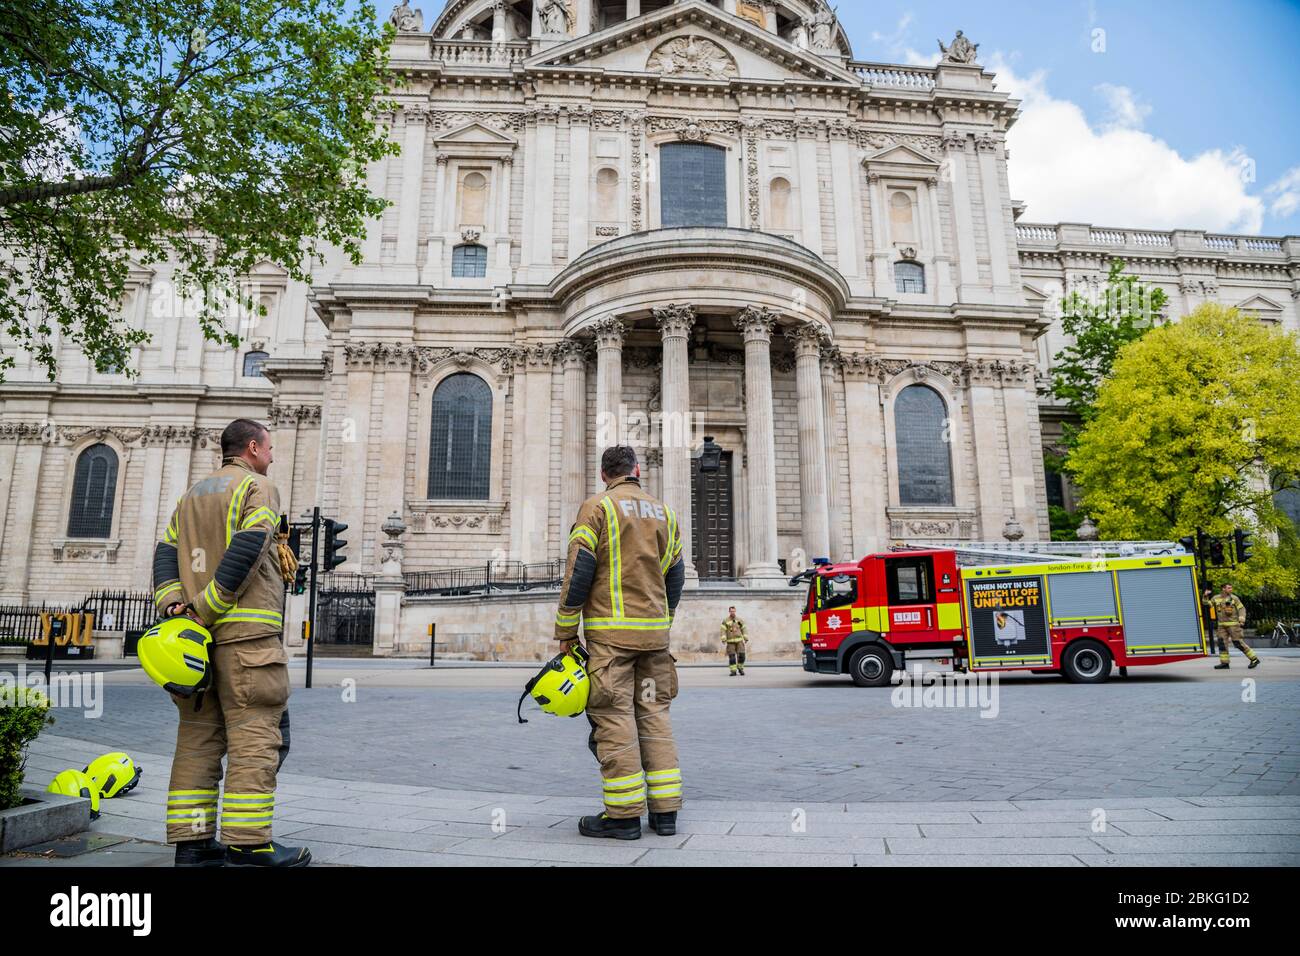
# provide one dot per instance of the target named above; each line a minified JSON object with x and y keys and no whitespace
{"x":1099,"y":330}
{"x":1194,"y":419}
{"x":214,"y":133}
{"x":24,"y":712}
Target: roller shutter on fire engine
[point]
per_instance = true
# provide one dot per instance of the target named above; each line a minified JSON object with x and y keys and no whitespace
{"x":1008,"y":622}
{"x":1160,"y":610}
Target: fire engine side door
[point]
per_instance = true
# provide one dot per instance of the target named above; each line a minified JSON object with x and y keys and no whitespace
{"x":909,"y":583}
{"x":837,"y":616}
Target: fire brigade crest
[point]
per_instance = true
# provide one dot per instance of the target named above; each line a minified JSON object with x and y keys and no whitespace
{"x":833,"y":621}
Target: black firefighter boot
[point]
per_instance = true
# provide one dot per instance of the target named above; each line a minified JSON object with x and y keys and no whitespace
{"x":664,"y":824}
{"x":205,"y":852}
{"x":268,"y":854}
{"x":606,"y":826}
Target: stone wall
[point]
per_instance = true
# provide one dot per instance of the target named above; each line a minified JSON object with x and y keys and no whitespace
{"x":520,"y":627}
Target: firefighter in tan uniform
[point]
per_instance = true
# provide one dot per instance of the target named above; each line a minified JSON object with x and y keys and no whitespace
{"x":623,"y":581}
{"x":1230,"y":617}
{"x":734,"y":639}
{"x":219,"y":562}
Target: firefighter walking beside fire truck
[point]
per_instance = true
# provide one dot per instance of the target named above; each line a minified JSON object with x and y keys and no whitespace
{"x":734,"y":639}
{"x":623,"y":581}
{"x":1230,"y":617}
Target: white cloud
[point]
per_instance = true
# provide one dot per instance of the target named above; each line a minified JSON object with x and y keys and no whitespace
{"x":1069,"y":170}
{"x":1125,"y":110}
{"x":1285,"y":193}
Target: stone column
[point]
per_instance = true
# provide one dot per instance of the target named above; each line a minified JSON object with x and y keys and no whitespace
{"x":675,"y":323}
{"x":573,"y":360}
{"x":394,"y":432}
{"x":954,"y":145}
{"x":609,"y":390}
{"x":408,"y":206}
{"x":810,"y":210}
{"x":390,"y":586}
{"x":537,"y":446}
{"x":997,"y":216}
{"x":867,"y":475}
{"x":844,"y":171}
{"x":807,"y":340}
{"x":761,"y":570}
{"x":579,"y":181}
{"x":984,"y":412}
{"x":18,"y":547}
{"x":154,"y":455}
{"x":352,"y":434}
{"x":834,"y":488}
{"x":376,"y":184}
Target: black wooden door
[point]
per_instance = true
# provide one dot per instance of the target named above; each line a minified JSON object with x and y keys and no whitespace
{"x":712,"y":521}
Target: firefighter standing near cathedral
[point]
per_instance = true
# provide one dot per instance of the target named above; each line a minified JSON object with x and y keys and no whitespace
{"x":623,"y":581}
{"x":734,"y":639}
{"x":219,"y":562}
{"x":1230,"y":617}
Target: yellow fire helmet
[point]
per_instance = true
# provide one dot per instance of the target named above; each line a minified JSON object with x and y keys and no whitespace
{"x":561,"y":687}
{"x":174,"y":653}
{"x":113,"y":774}
{"x":75,"y":783}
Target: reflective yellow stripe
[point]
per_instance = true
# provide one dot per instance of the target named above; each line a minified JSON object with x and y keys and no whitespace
{"x":190,"y":793}
{"x":173,"y":526}
{"x":621,"y":799}
{"x":615,"y":557}
{"x":261,"y":514}
{"x":633,"y":623}
{"x":236,"y":506}
{"x":165,"y":590}
{"x":251,"y":615}
{"x":215,"y":602}
{"x":565,"y":620}
{"x":661,"y":793}
{"x":620,"y":783}
{"x":664,"y":776}
{"x":666,"y":561}
{"x":584,"y":534}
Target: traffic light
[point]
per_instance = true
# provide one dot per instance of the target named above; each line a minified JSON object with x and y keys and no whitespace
{"x":300,"y":575}
{"x":1189,"y":544}
{"x":1216,"y":552}
{"x":334,"y":545}
{"x":1242,"y":543}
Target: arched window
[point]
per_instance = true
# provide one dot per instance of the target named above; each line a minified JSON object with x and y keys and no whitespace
{"x":473,"y":199}
{"x":94,"y":487}
{"x":902,"y":226}
{"x":693,"y":190}
{"x":253,"y":363}
{"x":780,"y":203}
{"x":921,"y":442}
{"x":460,"y":447}
{"x":607,"y":194}
{"x":909,"y":276}
{"x":469,"y":262}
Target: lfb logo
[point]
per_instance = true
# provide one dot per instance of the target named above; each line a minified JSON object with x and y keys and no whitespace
{"x":907,"y":617}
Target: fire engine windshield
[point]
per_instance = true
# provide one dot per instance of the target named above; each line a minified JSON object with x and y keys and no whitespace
{"x":836,"y":591}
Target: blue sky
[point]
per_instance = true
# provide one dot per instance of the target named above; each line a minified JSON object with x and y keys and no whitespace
{"x":1192,"y":110}
{"x":1180,"y":113}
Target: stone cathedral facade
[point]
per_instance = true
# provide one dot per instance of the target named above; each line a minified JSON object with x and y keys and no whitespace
{"x":646,"y":221}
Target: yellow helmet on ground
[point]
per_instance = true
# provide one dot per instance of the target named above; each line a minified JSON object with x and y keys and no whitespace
{"x":113,"y":774}
{"x":561,"y":687}
{"x":75,"y":783}
{"x":174,"y":653}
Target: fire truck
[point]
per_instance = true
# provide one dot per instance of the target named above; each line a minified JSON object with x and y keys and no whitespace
{"x":1079,"y":617}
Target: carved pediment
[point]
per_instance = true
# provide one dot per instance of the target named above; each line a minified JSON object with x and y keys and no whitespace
{"x":693,"y":41}
{"x":474,"y":134}
{"x":1261,"y":305}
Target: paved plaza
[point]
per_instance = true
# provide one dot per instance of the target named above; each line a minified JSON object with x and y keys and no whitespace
{"x":395,"y":763}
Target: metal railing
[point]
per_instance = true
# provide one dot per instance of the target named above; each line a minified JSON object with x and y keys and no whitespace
{"x":121,"y":610}
{"x":1263,"y":613}
{"x":491,"y":577}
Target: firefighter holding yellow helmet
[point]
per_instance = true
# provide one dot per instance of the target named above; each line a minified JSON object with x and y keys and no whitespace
{"x":623,"y":581}
{"x":218,"y":562}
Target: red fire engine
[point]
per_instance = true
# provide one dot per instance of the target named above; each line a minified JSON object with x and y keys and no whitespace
{"x":1078,"y":617}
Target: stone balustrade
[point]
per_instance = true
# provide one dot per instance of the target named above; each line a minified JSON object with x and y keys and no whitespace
{"x":1145,"y":240}
{"x":896,"y":77}
{"x":478,"y":52}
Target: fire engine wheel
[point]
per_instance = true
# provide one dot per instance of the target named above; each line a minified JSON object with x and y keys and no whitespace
{"x":871,"y":666}
{"x":1086,"y":662}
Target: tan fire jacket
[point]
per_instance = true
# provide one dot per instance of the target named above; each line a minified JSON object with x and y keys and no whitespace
{"x":218,"y":554}
{"x":733,"y":632}
{"x":625,"y":570}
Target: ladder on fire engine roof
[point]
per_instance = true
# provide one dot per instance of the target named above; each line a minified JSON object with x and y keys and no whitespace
{"x":974,"y":553}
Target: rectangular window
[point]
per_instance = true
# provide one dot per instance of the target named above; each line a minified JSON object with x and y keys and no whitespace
{"x":694,"y":185}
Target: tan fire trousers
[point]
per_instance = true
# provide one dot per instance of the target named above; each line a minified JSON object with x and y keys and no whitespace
{"x":243,"y":717}
{"x":631,"y":733}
